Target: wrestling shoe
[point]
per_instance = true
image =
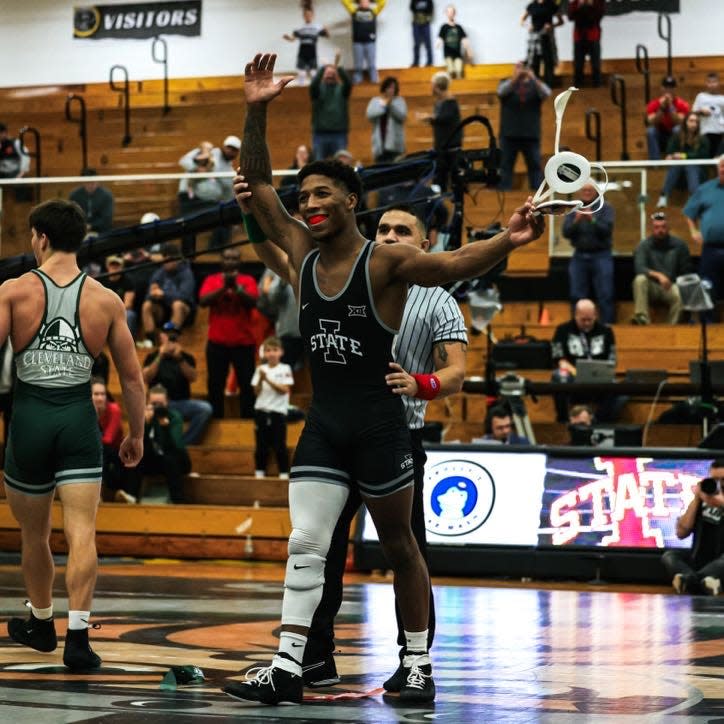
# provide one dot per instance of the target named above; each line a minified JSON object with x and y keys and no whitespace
{"x":78,"y":655}
{"x":321,"y":673}
{"x":685,"y":584}
{"x":418,"y":686}
{"x":397,"y":680}
{"x":711,"y":585}
{"x":37,"y":633}
{"x":268,"y":685}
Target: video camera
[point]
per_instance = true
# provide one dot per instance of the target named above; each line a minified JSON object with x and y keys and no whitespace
{"x":710,"y":486}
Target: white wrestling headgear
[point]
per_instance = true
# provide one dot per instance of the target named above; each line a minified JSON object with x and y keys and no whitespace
{"x":567,"y":172}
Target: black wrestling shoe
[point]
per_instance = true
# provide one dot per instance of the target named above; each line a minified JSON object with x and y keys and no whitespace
{"x":321,"y":673}
{"x":268,"y":685}
{"x":418,"y":686}
{"x":78,"y":655}
{"x":37,"y":633}
{"x":397,"y":680}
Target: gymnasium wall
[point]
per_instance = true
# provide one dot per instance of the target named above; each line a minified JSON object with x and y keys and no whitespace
{"x":38,"y":47}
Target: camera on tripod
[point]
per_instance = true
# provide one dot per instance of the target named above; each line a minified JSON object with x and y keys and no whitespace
{"x":478,"y":166}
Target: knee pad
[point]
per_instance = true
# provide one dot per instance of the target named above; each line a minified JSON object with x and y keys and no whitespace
{"x":305,"y":572}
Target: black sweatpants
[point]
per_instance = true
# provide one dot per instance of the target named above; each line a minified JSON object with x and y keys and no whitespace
{"x":320,"y":642}
{"x":271,"y":434}
{"x":681,"y":562}
{"x":218,"y":359}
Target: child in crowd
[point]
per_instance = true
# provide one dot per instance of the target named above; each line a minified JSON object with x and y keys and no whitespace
{"x":272,"y":382}
{"x":307,"y":34}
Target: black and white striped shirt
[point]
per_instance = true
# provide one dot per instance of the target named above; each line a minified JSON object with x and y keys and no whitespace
{"x":431,"y":316}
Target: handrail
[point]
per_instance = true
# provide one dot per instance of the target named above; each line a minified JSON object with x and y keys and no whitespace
{"x":81,"y":121}
{"x":35,"y":133}
{"x":618,"y":97}
{"x":642,"y":66}
{"x":643,"y":163}
{"x":126,"y":100}
{"x":592,"y":135}
{"x":664,"y":19}
{"x":164,"y":62}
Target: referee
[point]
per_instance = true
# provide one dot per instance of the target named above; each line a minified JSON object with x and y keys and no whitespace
{"x":430,"y":352}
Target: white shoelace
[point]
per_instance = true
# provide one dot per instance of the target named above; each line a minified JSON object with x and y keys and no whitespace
{"x":416,"y":677}
{"x":261,"y":676}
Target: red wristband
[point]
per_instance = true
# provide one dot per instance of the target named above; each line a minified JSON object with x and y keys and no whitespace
{"x":428,"y":386}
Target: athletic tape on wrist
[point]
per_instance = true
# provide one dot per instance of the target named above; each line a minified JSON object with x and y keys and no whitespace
{"x":428,"y":386}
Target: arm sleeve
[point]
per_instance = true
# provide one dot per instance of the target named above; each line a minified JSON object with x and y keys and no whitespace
{"x":505,"y":87}
{"x":375,"y":109}
{"x":187,"y":160}
{"x":253,"y":230}
{"x":346,"y":84}
{"x":605,"y":220}
{"x":640,"y":265}
{"x":113,"y":425}
{"x":187,"y":287}
{"x":398,"y":109}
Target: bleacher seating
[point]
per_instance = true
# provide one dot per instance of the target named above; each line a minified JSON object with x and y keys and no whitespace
{"x":209,"y":108}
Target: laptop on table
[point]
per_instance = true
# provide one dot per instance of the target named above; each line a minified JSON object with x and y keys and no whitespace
{"x":595,"y":370}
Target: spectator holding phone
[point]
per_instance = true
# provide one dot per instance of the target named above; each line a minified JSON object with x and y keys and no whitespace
{"x":231,"y":298}
{"x":701,"y":569}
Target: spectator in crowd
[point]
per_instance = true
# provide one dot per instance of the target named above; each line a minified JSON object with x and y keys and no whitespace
{"x":544,"y":16}
{"x":364,"y":36}
{"x":301,"y":159}
{"x":14,"y":159}
{"x":444,"y":120}
{"x":387,"y":113}
{"x":686,"y":143}
{"x":658,"y":260}
{"x":124,"y":286}
{"x":422,"y":12}
{"x":230,"y":296}
{"x":329,"y":91}
{"x":709,"y":104}
{"x":276,"y":300}
{"x":582,"y":337}
{"x":701,"y":568}
{"x":96,"y":202}
{"x":164,"y":448}
{"x":307,"y":35}
{"x":272,"y":381}
{"x":499,"y":428}
{"x":586,"y":16}
{"x":705,"y":215}
{"x":664,"y":115}
{"x":200,"y":194}
{"x":580,"y":415}
{"x":345,"y":156}
{"x":521,"y":97}
{"x":174,"y":368}
{"x":455,"y":44}
{"x":171,"y":294}
{"x":109,"y":421}
{"x":591,"y":266}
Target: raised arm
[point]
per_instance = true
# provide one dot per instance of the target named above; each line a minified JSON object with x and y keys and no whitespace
{"x":259,"y":89}
{"x":403,"y":262}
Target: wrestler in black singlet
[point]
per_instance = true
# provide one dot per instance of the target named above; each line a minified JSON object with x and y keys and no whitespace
{"x":355,"y":432}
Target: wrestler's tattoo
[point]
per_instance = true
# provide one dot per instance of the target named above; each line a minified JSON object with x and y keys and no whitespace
{"x":442,"y":351}
{"x":255,"y":160}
